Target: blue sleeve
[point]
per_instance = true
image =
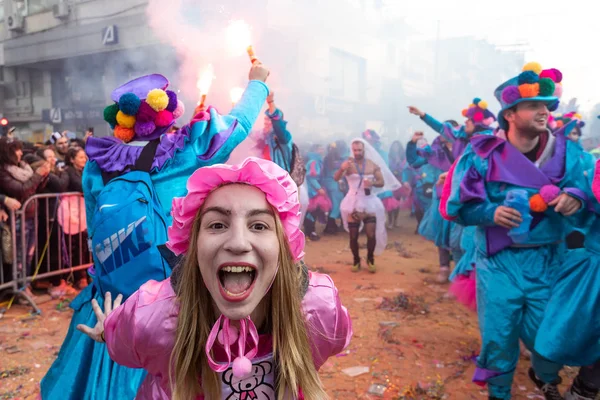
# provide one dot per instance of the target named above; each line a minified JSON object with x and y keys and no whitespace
{"x":464,"y":197}
{"x":591,"y":206}
{"x":280,"y":126}
{"x":413,"y":157}
{"x":215,"y":136}
{"x":92,"y":184}
{"x":445,"y":129}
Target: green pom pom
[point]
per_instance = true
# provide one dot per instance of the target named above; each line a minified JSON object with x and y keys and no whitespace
{"x":547,"y":87}
{"x":110,"y":114}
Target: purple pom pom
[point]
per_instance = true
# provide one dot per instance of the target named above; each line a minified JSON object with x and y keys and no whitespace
{"x":510,"y":94}
{"x":144,"y":128}
{"x":549,"y":193}
{"x":146,"y":113}
{"x":172,"y":101}
{"x":558,"y":75}
{"x":528,"y":77}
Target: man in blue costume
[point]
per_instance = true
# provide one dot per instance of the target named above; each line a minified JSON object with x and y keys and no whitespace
{"x":514,"y":276}
{"x":141,"y":115}
{"x":479,"y":120}
{"x":432,"y":161}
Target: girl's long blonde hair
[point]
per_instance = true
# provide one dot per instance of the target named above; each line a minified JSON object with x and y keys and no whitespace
{"x":190,"y":374}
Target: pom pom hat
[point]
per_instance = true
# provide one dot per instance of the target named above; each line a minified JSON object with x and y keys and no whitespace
{"x":558,"y":121}
{"x":533,"y":84}
{"x":478,"y":113}
{"x":143,"y":109}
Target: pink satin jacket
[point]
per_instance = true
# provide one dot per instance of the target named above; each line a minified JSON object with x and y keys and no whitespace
{"x":141,"y":334}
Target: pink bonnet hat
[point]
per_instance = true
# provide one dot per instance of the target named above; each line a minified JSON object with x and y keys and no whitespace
{"x":280,"y":190}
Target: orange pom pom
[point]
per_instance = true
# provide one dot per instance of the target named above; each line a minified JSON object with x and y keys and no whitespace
{"x":559,"y":124}
{"x":537,"y":203}
{"x":528,"y":90}
{"x":464,"y":113}
{"x":124,"y":134}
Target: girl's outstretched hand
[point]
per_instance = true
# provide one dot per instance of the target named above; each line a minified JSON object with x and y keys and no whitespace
{"x":97,"y":332}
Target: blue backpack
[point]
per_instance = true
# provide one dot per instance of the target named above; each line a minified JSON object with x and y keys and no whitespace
{"x":127,"y":227}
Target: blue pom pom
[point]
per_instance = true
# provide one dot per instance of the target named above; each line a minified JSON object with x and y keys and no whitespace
{"x":476,"y":100}
{"x":553,"y":107}
{"x":172,"y":100}
{"x":528,"y":77}
{"x":129,"y":104}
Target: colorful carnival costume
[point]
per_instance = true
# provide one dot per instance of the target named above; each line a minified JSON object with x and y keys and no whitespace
{"x":514,"y":280}
{"x":433,"y":161}
{"x":449,"y":236}
{"x":319,"y":204}
{"x":570,"y":331}
{"x":576,"y":238}
{"x":143,"y":111}
{"x":337,"y":153}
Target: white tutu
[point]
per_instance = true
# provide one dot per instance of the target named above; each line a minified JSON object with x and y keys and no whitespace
{"x":357,"y":200}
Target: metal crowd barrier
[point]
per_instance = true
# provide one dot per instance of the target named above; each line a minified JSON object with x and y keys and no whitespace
{"x":52,"y":241}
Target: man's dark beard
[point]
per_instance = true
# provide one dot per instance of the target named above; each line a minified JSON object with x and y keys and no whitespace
{"x":359,"y":158}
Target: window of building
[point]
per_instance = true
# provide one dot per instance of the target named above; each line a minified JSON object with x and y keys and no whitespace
{"x":37,"y":83}
{"x":38,"y":6}
{"x":1,"y":10}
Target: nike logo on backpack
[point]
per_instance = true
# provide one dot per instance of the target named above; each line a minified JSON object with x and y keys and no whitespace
{"x":123,"y":241}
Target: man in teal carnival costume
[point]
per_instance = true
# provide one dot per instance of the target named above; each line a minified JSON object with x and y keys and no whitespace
{"x":518,"y":250}
{"x":449,"y":236}
{"x":141,"y":151}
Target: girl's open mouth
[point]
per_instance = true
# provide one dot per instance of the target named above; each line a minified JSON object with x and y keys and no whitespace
{"x":236,"y":281}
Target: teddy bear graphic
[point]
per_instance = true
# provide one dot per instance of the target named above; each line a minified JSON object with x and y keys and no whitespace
{"x":252,"y":387}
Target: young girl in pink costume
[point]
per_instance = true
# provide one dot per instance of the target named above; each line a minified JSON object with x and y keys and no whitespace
{"x":240,"y":319}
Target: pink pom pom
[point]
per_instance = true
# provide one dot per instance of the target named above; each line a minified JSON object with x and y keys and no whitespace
{"x":549,"y":193}
{"x":488,"y":121}
{"x":163,"y":118}
{"x":464,"y":288}
{"x":548,"y":73}
{"x":510,"y":94}
{"x":233,"y":335}
{"x":552,"y":124}
{"x":144,"y":128}
{"x":478,"y":116}
{"x":242,"y":367}
{"x":558,"y":90}
{"x":180,"y":110}
{"x":145,"y":113}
